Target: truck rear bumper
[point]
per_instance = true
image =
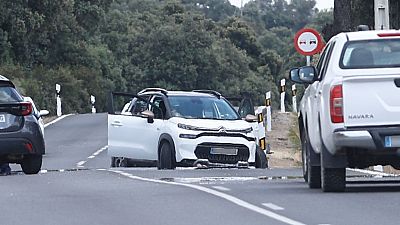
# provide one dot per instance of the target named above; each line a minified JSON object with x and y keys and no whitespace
{"x":359,"y":139}
{"x":371,"y":138}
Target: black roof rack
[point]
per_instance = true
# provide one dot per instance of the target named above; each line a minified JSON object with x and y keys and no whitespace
{"x":215,"y":93}
{"x":163,"y":91}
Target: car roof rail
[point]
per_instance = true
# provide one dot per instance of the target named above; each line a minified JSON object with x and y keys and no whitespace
{"x":215,"y":93}
{"x":163,"y":91}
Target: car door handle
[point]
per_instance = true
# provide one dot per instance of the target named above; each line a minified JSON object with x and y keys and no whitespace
{"x":397,"y":82}
{"x":117,"y":123}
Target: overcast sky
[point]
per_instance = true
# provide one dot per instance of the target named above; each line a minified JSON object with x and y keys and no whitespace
{"x":321,"y":4}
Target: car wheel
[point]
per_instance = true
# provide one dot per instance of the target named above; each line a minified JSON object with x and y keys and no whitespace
{"x":311,"y":174}
{"x":167,"y":157}
{"x":333,"y":179}
{"x":31,"y":164}
{"x":261,"y":159}
{"x":113,"y":159}
{"x":120,"y":162}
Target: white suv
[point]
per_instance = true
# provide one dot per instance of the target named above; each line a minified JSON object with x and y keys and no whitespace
{"x":173,"y":128}
{"x":350,"y":112}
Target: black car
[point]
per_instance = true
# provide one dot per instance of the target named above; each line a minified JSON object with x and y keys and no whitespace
{"x":21,"y":138}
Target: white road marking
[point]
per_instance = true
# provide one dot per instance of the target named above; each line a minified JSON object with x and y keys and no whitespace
{"x":220,"y":188}
{"x":375,"y":173}
{"x":222,"y":195}
{"x":272,"y":206}
{"x":214,"y":179}
{"x":80,"y":164}
{"x":56,"y":120}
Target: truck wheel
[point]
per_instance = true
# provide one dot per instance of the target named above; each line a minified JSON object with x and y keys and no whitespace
{"x":167,"y":158}
{"x":333,"y":179}
{"x":31,"y":164}
{"x":311,"y":174}
{"x":261,"y":159}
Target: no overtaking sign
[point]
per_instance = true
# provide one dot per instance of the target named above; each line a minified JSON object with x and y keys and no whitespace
{"x":308,"y":41}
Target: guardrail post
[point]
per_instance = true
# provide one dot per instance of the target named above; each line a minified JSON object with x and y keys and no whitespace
{"x":92,"y":101}
{"x":283,"y":89}
{"x":294,"y":98}
{"x":58,"y":90}
{"x":268,"y":105}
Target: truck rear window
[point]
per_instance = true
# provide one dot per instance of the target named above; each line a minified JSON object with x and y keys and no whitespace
{"x":383,"y":53}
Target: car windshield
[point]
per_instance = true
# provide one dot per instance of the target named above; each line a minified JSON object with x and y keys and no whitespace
{"x":371,"y":54}
{"x":195,"y":107}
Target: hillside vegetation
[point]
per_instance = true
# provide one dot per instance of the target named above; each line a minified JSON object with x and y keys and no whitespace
{"x":92,"y":47}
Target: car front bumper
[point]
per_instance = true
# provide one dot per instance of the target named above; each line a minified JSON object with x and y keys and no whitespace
{"x":199,"y":148}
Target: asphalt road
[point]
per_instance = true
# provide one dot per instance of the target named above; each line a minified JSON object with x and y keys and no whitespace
{"x":77,"y":186}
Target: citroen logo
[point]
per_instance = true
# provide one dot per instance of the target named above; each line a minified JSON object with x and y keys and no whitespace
{"x":222,"y":130}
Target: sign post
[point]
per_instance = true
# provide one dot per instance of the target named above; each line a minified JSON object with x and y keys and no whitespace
{"x":58,"y":90}
{"x":92,"y":101}
{"x":283,"y":89}
{"x":294,"y":100}
{"x":269,"y":114}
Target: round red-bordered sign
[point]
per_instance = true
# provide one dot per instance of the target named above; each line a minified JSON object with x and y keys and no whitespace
{"x":308,"y":41}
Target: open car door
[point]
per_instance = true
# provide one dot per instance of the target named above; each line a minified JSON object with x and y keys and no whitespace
{"x":132,"y":130}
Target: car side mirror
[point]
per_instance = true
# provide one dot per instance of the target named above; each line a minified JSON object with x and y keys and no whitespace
{"x":250,"y":118}
{"x":149,"y":115}
{"x":304,"y":75}
{"x":44,"y":112}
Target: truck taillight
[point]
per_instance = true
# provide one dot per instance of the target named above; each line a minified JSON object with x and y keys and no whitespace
{"x":336,"y":103}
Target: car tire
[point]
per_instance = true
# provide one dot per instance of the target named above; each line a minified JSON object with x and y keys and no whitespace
{"x":166,"y":158}
{"x":120,"y":162}
{"x":31,"y":164}
{"x":333,"y":179}
{"x":311,"y":174}
{"x":261,"y":159}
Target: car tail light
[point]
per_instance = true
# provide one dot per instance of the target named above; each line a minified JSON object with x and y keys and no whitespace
{"x":25,"y":108}
{"x":336,"y":103}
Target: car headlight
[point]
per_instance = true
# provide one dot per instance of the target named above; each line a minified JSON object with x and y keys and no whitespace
{"x":248,"y":130}
{"x":186,"y":127}
{"x":188,"y":136}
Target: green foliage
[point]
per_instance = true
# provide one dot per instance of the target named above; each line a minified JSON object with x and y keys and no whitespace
{"x":92,"y":47}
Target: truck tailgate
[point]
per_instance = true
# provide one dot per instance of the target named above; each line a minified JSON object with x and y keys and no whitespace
{"x":372,"y":100}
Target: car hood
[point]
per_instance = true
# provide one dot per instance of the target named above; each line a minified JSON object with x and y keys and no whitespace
{"x":213,"y":124}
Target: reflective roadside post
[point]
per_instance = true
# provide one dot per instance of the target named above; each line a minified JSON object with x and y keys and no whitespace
{"x":58,"y":90}
{"x":92,"y":101}
{"x":283,"y":83}
{"x":268,"y":105}
{"x":294,"y":100}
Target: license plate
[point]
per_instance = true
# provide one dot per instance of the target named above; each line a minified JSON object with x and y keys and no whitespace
{"x":392,"y":141}
{"x":224,"y":151}
{"x":2,"y":119}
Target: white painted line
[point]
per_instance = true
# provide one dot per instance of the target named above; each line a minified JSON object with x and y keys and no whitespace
{"x":56,"y":120}
{"x":91,"y":157}
{"x":220,"y":188}
{"x":43,"y":171}
{"x":222,"y":195}
{"x":272,"y":206}
{"x":80,"y":164}
{"x":375,"y":173}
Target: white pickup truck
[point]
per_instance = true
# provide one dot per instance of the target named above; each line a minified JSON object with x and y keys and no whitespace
{"x":350,"y":112}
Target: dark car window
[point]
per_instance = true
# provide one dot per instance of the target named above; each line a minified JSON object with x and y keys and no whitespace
{"x":195,"y":107}
{"x":9,"y":95}
{"x":382,"y":53}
